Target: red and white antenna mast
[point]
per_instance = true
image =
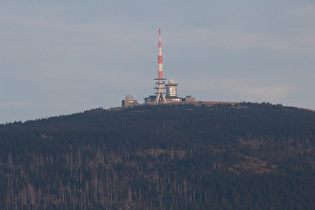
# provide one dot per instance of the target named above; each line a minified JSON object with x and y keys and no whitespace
{"x":160,"y":84}
{"x":160,"y":56}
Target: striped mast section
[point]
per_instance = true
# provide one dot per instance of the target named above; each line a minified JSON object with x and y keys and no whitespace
{"x":160,"y":76}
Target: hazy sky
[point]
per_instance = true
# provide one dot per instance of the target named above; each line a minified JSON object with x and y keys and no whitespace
{"x":61,"y":57}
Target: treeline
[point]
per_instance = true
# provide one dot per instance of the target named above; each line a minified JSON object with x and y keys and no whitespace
{"x":246,"y":156}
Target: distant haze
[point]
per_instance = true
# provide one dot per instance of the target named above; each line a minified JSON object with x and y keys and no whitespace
{"x":60,"y":57}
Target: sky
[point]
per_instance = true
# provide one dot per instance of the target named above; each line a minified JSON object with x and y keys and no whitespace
{"x":62,"y":57}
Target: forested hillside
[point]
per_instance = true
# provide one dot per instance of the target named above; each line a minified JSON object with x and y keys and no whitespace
{"x":242,"y":156}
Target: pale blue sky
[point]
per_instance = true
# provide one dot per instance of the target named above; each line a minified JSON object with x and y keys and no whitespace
{"x":61,"y":57}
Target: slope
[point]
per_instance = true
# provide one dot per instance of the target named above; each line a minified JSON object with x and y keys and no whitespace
{"x":165,"y":157}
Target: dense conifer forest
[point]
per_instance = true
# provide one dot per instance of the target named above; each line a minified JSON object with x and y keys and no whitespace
{"x":242,"y":156}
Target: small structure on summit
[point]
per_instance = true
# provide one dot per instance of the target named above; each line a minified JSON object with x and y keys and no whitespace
{"x":129,"y":101}
{"x":171,"y":88}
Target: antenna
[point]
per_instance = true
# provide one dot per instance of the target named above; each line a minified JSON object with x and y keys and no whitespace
{"x":160,"y":84}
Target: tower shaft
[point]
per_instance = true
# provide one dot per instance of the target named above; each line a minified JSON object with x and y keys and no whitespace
{"x":160,"y":62}
{"x":160,"y":84}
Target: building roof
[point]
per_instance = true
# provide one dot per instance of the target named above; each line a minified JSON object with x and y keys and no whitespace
{"x":129,"y":97}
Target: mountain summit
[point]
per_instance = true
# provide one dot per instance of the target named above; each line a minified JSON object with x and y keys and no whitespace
{"x":241,"y":156}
